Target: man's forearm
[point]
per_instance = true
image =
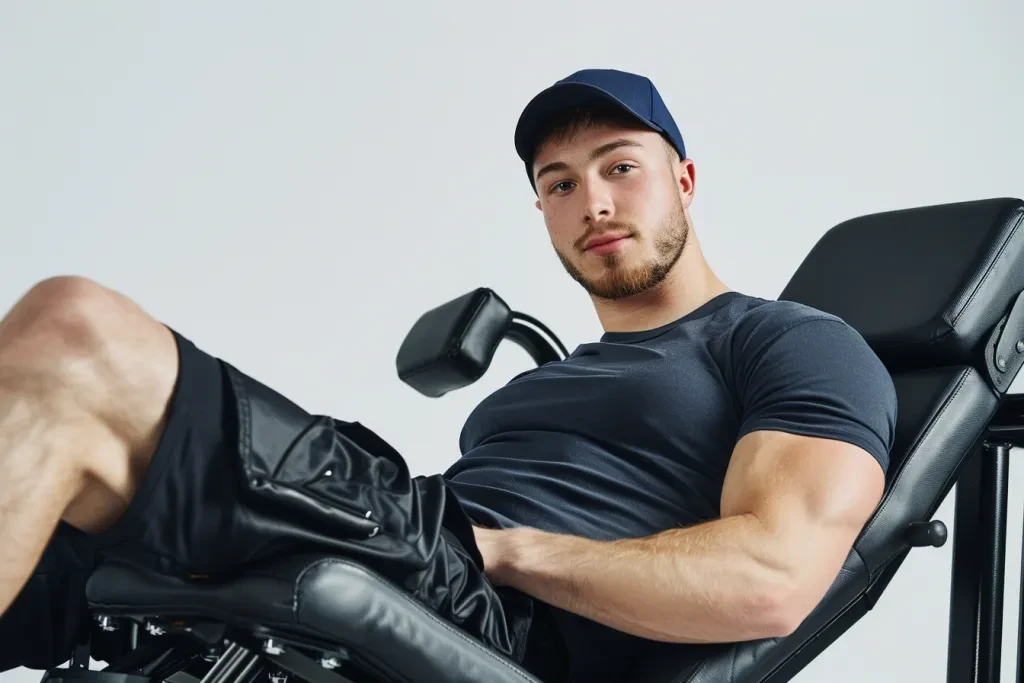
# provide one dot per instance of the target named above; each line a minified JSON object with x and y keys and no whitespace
{"x":716,"y":582}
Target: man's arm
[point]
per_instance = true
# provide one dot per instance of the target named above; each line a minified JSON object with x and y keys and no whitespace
{"x":792,"y":507}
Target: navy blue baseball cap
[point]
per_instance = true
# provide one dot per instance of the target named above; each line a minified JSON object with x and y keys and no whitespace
{"x":634,"y":94}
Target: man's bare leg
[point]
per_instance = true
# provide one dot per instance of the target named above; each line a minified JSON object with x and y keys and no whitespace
{"x":85,"y":380}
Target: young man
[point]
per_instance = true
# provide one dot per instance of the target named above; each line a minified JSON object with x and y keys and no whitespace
{"x":699,"y":474}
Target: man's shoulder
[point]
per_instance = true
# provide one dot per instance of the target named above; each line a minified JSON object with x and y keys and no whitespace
{"x":763,"y":322}
{"x":799,"y":369}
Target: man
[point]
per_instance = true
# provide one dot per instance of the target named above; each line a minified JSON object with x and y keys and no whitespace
{"x":697,"y":475}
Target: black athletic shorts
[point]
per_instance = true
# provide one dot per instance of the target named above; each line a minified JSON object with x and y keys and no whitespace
{"x":200,"y":510}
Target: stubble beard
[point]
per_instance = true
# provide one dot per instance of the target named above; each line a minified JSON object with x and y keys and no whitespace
{"x":621,"y":280}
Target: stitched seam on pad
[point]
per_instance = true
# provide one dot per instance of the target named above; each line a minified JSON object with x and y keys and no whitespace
{"x":298,"y":585}
{"x":430,"y":615}
{"x":988,"y":271}
{"x":700,"y":667}
{"x":970,"y":298}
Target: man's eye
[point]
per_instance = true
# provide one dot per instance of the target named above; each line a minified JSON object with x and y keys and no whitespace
{"x":562,"y":186}
{"x":622,"y":168}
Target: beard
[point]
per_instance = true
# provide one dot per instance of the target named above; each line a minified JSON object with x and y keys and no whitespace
{"x":622,"y":280}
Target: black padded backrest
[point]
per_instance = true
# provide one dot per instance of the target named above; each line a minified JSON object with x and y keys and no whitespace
{"x":926,"y":287}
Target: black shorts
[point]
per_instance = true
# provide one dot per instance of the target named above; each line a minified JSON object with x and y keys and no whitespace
{"x":183,"y":517}
{"x":196,"y":511}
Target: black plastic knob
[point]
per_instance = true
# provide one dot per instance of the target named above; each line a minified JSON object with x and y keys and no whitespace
{"x":923,"y":534}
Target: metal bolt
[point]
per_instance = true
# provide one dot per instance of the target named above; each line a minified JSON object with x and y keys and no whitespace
{"x":106,"y":623}
{"x":330,"y":662}
{"x":1020,"y":346}
{"x":1001,"y":363}
{"x":272,"y":648}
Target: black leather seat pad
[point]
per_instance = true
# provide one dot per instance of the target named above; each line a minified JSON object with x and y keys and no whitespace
{"x":325,"y":602}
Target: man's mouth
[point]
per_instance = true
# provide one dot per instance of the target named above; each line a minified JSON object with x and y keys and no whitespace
{"x":606,"y":244}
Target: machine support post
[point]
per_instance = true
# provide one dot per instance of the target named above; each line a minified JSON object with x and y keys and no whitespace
{"x":979,"y":560}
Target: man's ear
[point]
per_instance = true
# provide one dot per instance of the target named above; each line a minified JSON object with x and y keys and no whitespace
{"x":537,"y":204}
{"x":686,"y":179}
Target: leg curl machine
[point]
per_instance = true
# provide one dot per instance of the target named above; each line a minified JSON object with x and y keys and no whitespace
{"x":937,"y":291}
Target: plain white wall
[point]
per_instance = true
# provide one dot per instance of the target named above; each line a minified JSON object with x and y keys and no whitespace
{"x":293,"y":184}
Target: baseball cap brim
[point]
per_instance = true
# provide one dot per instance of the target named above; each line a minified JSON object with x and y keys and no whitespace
{"x":555,"y":99}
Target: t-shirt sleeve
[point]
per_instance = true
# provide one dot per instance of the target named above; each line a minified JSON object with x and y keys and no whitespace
{"x":816,"y":376}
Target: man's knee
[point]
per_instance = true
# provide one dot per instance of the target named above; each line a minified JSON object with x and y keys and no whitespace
{"x":73,"y":336}
{"x":56,"y":316}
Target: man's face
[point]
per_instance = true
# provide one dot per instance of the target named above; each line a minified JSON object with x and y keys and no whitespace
{"x":614,"y":204}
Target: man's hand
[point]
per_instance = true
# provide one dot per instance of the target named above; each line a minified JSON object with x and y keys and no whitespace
{"x":791,"y":509}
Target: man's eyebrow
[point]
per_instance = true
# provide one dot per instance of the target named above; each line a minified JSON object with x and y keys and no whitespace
{"x":596,"y":154}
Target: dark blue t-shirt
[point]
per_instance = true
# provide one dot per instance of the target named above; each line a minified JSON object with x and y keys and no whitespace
{"x":631,"y":435}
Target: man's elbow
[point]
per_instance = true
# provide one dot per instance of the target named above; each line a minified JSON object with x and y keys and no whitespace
{"x":781,"y":609}
{"x":784,"y":620}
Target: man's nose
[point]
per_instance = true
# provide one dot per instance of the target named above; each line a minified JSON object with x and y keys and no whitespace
{"x":597,"y":204}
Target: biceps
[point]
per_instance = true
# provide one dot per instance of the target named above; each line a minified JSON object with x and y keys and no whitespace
{"x":812,"y":496}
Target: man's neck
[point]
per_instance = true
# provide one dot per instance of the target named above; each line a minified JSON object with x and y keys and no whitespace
{"x":689,"y":286}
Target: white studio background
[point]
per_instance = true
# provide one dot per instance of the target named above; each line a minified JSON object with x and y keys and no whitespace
{"x":292,"y":184}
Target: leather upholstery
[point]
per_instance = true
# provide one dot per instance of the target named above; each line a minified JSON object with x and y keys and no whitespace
{"x":926,"y":287}
{"x":452,"y":345}
{"x":315,"y":599}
